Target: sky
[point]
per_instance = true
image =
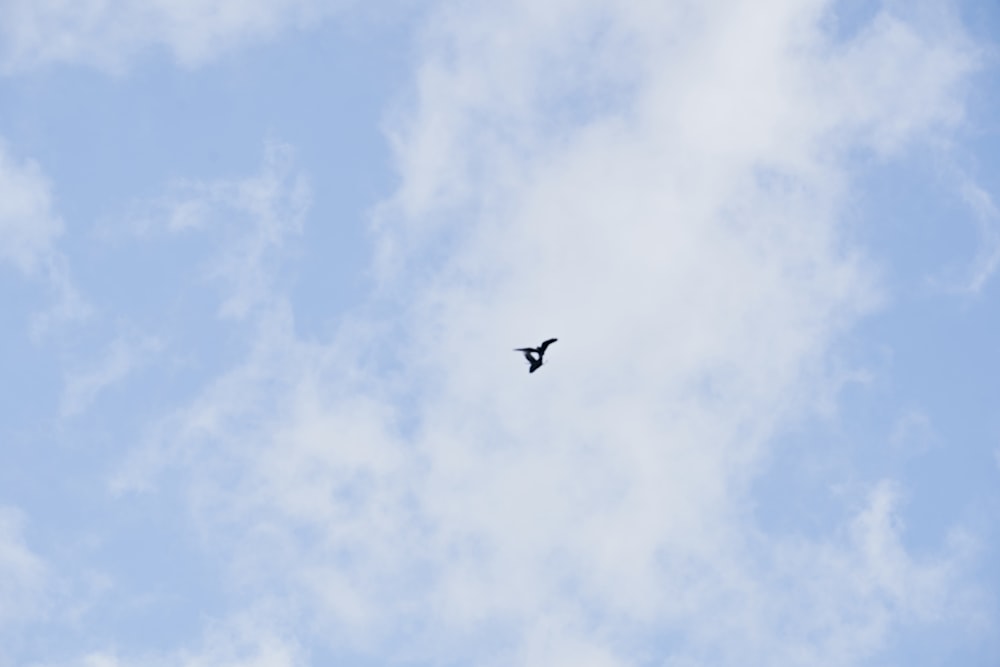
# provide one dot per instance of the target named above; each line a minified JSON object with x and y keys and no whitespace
{"x":264,"y":263}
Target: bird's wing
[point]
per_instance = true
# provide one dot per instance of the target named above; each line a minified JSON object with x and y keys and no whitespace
{"x":541,"y":348}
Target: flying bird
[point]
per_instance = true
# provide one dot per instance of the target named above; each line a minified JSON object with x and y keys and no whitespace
{"x":534,"y":354}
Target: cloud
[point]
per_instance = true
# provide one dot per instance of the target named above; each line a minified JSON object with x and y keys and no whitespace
{"x":971,"y":276}
{"x":248,"y":639}
{"x":29,"y":233}
{"x":254,"y":221}
{"x":41,"y":597}
{"x":661,"y":186}
{"x":869,"y":83}
{"x":28,"y":226}
{"x":123,"y":356}
{"x":23,"y":574}
{"x":854,"y":590}
{"x":110,"y":34}
{"x":988,"y":221}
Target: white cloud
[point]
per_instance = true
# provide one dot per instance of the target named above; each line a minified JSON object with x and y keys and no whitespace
{"x":275,"y":201}
{"x":123,"y":356}
{"x":110,"y":33}
{"x":39,"y":596}
{"x":253,"y":638}
{"x":988,"y":220}
{"x":850,"y":593}
{"x":870,"y":83}
{"x":254,"y":220}
{"x":970,"y":277}
{"x":249,"y":639}
{"x":659,"y":186}
{"x":23,"y":574}
{"x":29,"y":232}
{"x":28,"y":226}
{"x":100,"y":660}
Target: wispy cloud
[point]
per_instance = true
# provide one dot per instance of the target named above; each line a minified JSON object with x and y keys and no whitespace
{"x":970,"y":276}
{"x":29,"y":233}
{"x":253,"y":638}
{"x":252,"y":223}
{"x":24,"y":576}
{"x":869,"y":76}
{"x":29,"y":227}
{"x":988,"y":221}
{"x":123,"y":356}
{"x":111,"y":34}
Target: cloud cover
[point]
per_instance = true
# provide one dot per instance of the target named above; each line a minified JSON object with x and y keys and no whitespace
{"x":662,"y":186}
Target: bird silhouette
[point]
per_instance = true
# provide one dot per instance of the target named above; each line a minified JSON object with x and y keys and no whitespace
{"x":534,"y":354}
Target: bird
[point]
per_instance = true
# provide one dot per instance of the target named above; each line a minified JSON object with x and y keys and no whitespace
{"x":534,"y":354}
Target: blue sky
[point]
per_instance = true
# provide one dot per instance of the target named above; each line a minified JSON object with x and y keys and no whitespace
{"x":264,"y":264}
